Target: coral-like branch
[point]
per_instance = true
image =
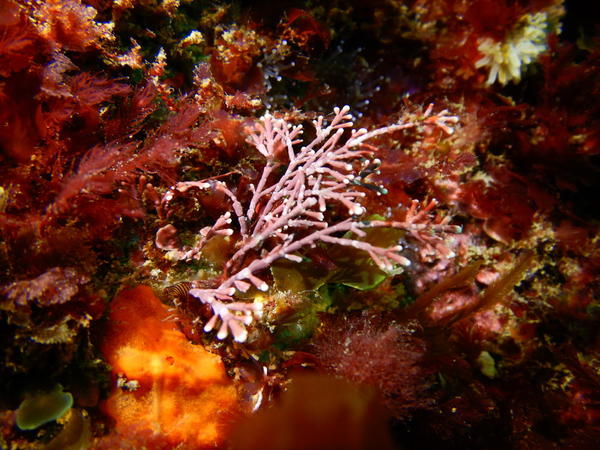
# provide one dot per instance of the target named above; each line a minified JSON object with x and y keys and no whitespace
{"x":288,"y":213}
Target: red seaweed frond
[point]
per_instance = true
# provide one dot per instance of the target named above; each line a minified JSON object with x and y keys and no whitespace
{"x":69,"y":25}
{"x":97,"y":174}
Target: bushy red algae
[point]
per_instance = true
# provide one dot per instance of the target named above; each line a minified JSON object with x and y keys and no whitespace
{"x":369,"y":351}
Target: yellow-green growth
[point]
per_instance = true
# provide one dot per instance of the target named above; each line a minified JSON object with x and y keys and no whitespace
{"x":39,"y":408}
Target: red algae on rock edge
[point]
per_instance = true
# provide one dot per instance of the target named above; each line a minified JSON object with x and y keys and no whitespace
{"x":181,"y":393}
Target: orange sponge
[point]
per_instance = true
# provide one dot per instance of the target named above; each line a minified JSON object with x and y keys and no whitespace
{"x":183,"y":395}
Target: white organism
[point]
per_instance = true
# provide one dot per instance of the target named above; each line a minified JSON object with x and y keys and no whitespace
{"x":506,"y":60}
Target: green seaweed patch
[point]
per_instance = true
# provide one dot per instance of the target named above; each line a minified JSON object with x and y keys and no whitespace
{"x":298,"y":277}
{"x":356,"y":269}
{"x":304,"y":322}
{"x":39,"y":408}
{"x":339,"y":271}
{"x":350,"y":266}
{"x":297,"y":330}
